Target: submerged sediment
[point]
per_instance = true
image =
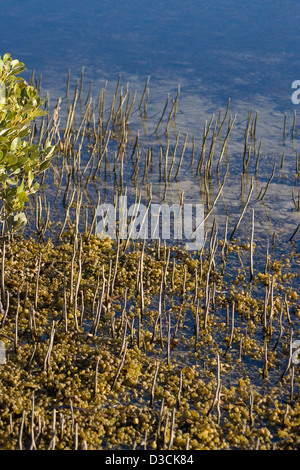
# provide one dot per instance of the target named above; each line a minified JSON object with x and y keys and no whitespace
{"x":89,"y":368}
{"x":142,"y":344}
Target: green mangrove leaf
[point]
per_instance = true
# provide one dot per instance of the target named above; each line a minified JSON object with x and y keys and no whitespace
{"x":17,"y":221}
{"x":16,"y":143}
{"x":30,"y":179}
{"x":20,"y":162}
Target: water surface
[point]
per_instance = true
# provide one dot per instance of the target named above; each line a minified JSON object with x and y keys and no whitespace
{"x":242,"y":51}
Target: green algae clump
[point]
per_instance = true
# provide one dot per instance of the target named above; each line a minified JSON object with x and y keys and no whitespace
{"x":86,"y":370}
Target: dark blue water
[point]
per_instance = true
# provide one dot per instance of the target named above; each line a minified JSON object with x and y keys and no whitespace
{"x":247,"y":51}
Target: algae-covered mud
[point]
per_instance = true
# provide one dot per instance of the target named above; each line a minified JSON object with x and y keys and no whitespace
{"x":142,"y":344}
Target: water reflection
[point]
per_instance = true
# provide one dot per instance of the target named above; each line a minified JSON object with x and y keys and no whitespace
{"x":245,"y":52}
{"x":157,"y":162}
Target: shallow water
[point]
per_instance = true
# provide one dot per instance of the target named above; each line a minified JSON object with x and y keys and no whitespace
{"x":245,"y":53}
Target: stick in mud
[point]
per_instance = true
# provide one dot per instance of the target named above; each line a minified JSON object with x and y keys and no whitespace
{"x":243,"y":211}
{"x":154,"y":384}
{"x":251,"y":247}
{"x":119,"y":367}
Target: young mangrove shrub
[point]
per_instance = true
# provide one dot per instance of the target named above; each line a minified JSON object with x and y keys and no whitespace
{"x":20,"y":161}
